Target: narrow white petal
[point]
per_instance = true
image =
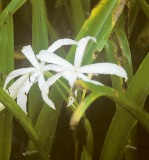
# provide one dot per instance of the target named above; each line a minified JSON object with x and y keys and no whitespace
{"x":14,"y":88}
{"x":23,"y":91}
{"x":59,"y":43}
{"x":80,"y":51}
{"x":17,"y":73}
{"x":70,"y":101}
{"x":104,"y":68}
{"x":41,"y":81}
{"x":54,"y":59}
{"x":71,"y":77}
{"x":86,"y":79}
{"x":48,"y":101}
{"x":30,"y":55}
{"x":45,"y":90}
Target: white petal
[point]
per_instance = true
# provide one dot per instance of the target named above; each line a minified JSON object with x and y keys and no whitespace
{"x":54,"y":59}
{"x":54,"y":67}
{"x":86,"y":79}
{"x":23,"y":91}
{"x":28,"y":52}
{"x":17,"y":73}
{"x":80,"y":51}
{"x":45,"y":90}
{"x":104,"y":68}
{"x":70,"y":101}
{"x":71,"y":77}
{"x":59,"y":43}
{"x":41,"y":81}
{"x":48,"y":101}
{"x":14,"y":88}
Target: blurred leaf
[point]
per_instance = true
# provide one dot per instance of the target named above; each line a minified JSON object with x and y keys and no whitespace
{"x":1,"y":6}
{"x":85,"y":155}
{"x":5,"y":134}
{"x":77,"y":15}
{"x":89,"y":137}
{"x":39,"y":26}
{"x":131,"y":153}
{"x":51,"y":31}
{"x":144,"y":6}
{"x":134,"y":10}
{"x":138,"y":89}
{"x":86,"y":4}
{"x":23,"y":119}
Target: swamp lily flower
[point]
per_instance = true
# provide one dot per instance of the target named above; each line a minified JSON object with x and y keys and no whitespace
{"x":73,"y":72}
{"x":29,"y":76}
{"x":20,"y":88}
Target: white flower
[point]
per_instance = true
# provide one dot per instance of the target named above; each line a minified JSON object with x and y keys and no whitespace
{"x":73,"y":72}
{"x":20,"y":88}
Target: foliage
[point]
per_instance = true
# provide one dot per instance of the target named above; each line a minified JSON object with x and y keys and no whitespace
{"x":120,"y":40}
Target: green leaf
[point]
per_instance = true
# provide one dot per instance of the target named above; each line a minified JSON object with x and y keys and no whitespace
{"x":89,"y":137}
{"x":23,"y":119}
{"x":120,"y":127}
{"x":12,"y":7}
{"x":5,"y":134}
{"x":86,"y":4}
{"x":100,"y":24}
{"x":134,"y":11}
{"x":47,"y":121}
{"x":85,"y":155}
{"x":125,"y":51}
{"x":6,"y":65}
{"x":49,"y":126}
{"x":144,"y":6}
{"x":39,"y":26}
{"x":97,"y":91}
{"x":136,"y":93}
{"x":76,"y":11}
{"x":7,"y":47}
{"x":35,"y":103}
{"x":124,"y":103}
{"x":118,"y":51}
{"x":39,"y":42}
{"x":49,"y":118}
